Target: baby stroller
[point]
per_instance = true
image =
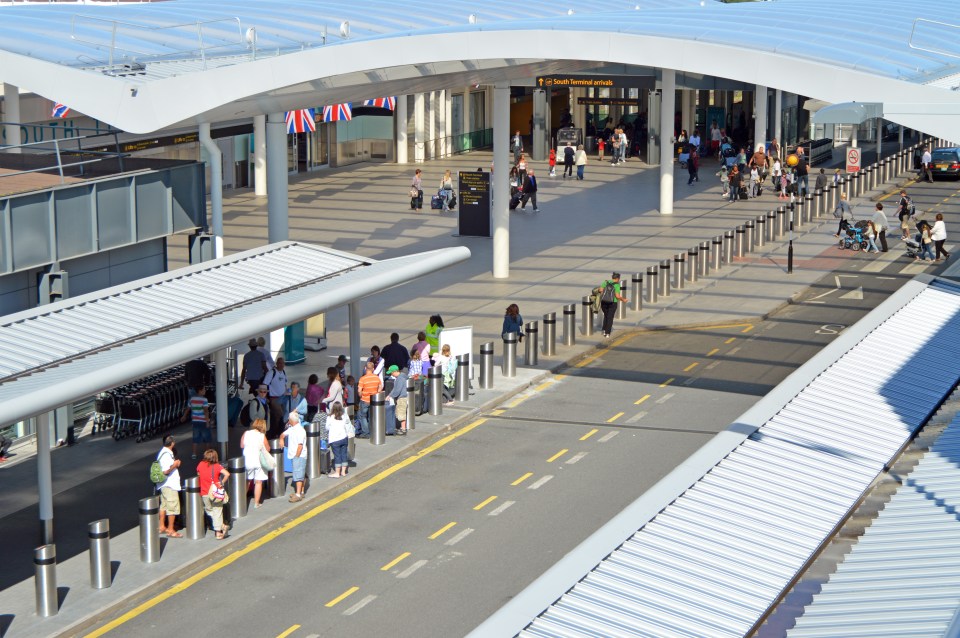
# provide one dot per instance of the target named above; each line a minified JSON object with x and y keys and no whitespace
{"x":729,"y":156}
{"x":854,"y":237}
{"x":912,"y":244}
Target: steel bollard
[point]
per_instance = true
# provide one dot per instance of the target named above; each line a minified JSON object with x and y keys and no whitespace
{"x":278,"y":478}
{"x":749,"y":236}
{"x":636,"y":289}
{"x":411,"y":414}
{"x":693,"y":261}
{"x":739,"y":242}
{"x":531,"y":348}
{"x":237,"y":488}
{"x":587,"y":317}
{"x":195,"y":527}
{"x":508,"y":367}
{"x":678,"y":270}
{"x":486,"y":366}
{"x":781,"y":222}
{"x":716,"y":252}
{"x":569,"y":325}
{"x":872,"y":176}
{"x":652,"y":284}
{"x":806,"y":212}
{"x":728,"y":242}
{"x":621,"y":311}
{"x":45,"y":579}
{"x":378,"y":413}
{"x":663,"y":279}
{"x":855,"y":185}
{"x":314,"y":432}
{"x":98,"y":534}
{"x":549,"y":334}
{"x":703,"y":262}
{"x":461,"y":386}
{"x":760,"y":236}
{"x":149,"y":529}
{"x":435,"y":383}
{"x":817,"y":209}
{"x":772,"y":225}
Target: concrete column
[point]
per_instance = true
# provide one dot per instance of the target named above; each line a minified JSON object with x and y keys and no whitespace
{"x":465,"y":126}
{"x":668,"y":99}
{"x":418,"y":132}
{"x":879,"y":128}
{"x":900,"y":137}
{"x":223,"y":437}
{"x":853,"y":135}
{"x":216,"y":180}
{"x":448,"y":121}
{"x":580,"y":111}
{"x":686,"y":113}
{"x":278,"y":227}
{"x":260,"y":155}
{"x":760,"y":119}
{"x":539,"y":150}
{"x":778,"y":115}
{"x":432,"y":128}
{"x":500,"y":221}
{"x":401,"y":122}
{"x":45,"y":478}
{"x":11,"y":113}
{"x":353,"y":328}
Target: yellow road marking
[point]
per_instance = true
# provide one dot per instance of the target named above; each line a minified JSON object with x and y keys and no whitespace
{"x":497,"y":412}
{"x":728,"y":325}
{"x":522,"y":479}
{"x":713,"y":352}
{"x":667,"y":382}
{"x":589,"y":434}
{"x":730,"y":340}
{"x":543,"y":385}
{"x":691,"y":366}
{"x":559,"y":377}
{"x":289,"y":631}
{"x":748,"y":328}
{"x":642,"y":399}
{"x":480,"y":506}
{"x":394,"y":562}
{"x":283,"y":529}
{"x":557,"y":455}
{"x":437,"y":534}
{"x":340,"y":598}
{"x":518,"y":401}
{"x":615,"y":417}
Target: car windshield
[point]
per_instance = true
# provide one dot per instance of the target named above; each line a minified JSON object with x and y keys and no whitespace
{"x":946,"y":156}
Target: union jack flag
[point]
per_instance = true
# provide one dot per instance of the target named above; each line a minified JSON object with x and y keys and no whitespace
{"x":60,"y":110}
{"x":338,"y":112}
{"x":382,"y":102}
{"x":300,"y":121}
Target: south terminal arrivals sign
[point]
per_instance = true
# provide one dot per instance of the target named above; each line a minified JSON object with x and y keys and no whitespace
{"x":589,"y":81}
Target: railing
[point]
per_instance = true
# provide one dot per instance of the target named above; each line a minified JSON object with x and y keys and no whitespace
{"x":453,"y":145}
{"x":56,"y":147}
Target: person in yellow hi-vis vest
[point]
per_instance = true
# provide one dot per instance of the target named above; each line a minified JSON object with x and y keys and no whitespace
{"x":433,"y":330}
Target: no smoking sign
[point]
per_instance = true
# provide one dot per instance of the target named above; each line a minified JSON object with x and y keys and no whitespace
{"x":853,"y":160}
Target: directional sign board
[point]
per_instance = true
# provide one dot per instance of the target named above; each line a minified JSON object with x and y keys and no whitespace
{"x":590,"y":81}
{"x":853,"y":160}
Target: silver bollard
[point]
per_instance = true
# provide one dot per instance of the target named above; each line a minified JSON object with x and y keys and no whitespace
{"x":781,"y":222}
{"x":817,"y":209}
{"x":772,"y":225}
{"x":531,"y":346}
{"x":435,"y":382}
{"x":314,"y":432}
{"x":621,"y":312}
{"x":508,"y":367}
{"x":149,"y":529}
{"x":98,"y":534}
{"x":749,"y":236}
{"x":693,"y":261}
{"x":462,"y":384}
{"x":703,"y":261}
{"x":806,"y":212}
{"x":651,"y":285}
{"x":411,"y":414}
{"x":486,"y":366}
{"x":678,"y":270}
{"x":378,"y":413}
{"x":278,"y":478}
{"x":716,"y":252}
{"x":570,"y":324}
{"x":636,"y":289}
{"x":663,"y":279}
{"x":855,"y":185}
{"x":237,"y":488}
{"x":728,"y":242}
{"x":586,"y":317}
{"x":549,"y":334}
{"x":739,"y":242}
{"x":760,"y":235}
{"x":195,"y":527}
{"x":45,"y":580}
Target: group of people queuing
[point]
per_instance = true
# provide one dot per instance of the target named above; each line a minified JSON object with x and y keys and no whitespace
{"x":446,"y":194}
{"x":746,"y":177}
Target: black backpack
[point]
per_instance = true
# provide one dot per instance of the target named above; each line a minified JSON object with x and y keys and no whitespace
{"x":607,"y":295}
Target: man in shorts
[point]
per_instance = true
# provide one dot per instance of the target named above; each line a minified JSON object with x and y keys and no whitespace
{"x":198,"y":409}
{"x":169,"y":489}
{"x":399,"y":397}
{"x":294,"y":438}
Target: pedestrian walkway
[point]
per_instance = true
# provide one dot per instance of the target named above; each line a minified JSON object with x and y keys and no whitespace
{"x":585,"y":230}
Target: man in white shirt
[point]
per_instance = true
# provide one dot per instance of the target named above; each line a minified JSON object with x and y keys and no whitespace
{"x":169,"y":489}
{"x":276,"y":382}
{"x":715,"y":139}
{"x":925,"y":161}
{"x":295,"y":440}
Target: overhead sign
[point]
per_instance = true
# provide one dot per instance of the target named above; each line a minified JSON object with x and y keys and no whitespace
{"x":853,"y":160}
{"x":590,"y":81}
{"x":474,"y":196}
{"x":602,"y":101}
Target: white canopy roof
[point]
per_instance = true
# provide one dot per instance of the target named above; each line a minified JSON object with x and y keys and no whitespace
{"x":825,"y":49}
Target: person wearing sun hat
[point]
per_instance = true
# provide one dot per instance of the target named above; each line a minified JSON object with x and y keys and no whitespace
{"x":398,"y":396}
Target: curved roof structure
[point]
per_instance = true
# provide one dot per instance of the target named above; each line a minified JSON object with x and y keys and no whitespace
{"x":132,"y":65}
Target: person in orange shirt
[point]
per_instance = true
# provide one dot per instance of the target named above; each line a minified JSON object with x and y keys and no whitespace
{"x":368,"y":385}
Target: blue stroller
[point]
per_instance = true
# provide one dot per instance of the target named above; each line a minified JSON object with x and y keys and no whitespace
{"x":854,"y":237}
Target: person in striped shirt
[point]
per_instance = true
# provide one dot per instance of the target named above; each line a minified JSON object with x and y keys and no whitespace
{"x":198,"y":409}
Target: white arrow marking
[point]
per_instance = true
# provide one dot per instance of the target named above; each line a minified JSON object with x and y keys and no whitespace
{"x":854,"y":294}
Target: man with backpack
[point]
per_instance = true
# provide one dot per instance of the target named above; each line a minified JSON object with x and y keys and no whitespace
{"x":609,"y":294}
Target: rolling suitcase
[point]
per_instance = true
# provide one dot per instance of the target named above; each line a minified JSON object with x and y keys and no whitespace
{"x":515,"y":201}
{"x":436,"y":203}
{"x":234,"y":405}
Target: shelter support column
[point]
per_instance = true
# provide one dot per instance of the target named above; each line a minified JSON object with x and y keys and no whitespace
{"x":900,"y":137}
{"x":465,"y":122}
{"x":260,"y":155}
{"x":853,"y":135}
{"x":401,"y":116}
{"x":278,"y":227}
{"x":778,"y":115}
{"x":879,"y":126}
{"x":432,"y":128}
{"x":11,"y":113}
{"x":353,"y":330}
{"x":668,"y":106}
{"x":216,"y":186}
{"x":220,"y":380}
{"x":501,"y":167}
{"x":539,"y":150}
{"x":418,"y":117}
{"x":686,"y":113}
{"x":448,"y":121}
{"x":45,"y":478}
{"x":760,"y":116}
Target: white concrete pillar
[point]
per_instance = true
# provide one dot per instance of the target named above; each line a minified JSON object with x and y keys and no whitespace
{"x":686,"y":113}
{"x":760,"y":116}
{"x":11,"y":113}
{"x":278,"y":226}
{"x":853,"y":135}
{"x":260,"y":155}
{"x":900,"y":137}
{"x":500,"y":214}
{"x":539,"y":150}
{"x":668,"y":106}
{"x":432,"y":127}
{"x":879,"y":127}
{"x":418,"y":124}
{"x":215,"y":155}
{"x":223,"y":436}
{"x":401,"y":120}
{"x":778,"y":115}
{"x":580,"y":110}
{"x":353,"y":331}
{"x":45,"y":477}
{"x":448,"y":122}
{"x":466,"y":125}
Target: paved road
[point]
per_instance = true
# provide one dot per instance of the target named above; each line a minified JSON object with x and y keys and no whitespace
{"x":434,"y":545}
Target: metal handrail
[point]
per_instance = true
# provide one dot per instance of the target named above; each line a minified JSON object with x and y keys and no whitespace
{"x":60,"y":165}
{"x":913,"y":32}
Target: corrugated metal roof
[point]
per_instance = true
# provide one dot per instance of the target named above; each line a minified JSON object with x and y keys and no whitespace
{"x":902,"y":577}
{"x":713,"y":561}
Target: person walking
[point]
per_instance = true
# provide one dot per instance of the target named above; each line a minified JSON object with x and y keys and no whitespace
{"x":517,"y":147}
{"x":198,"y":411}
{"x":926,"y":243}
{"x":170,"y":488}
{"x":610,"y":294}
{"x":568,"y":159}
{"x":736,"y":183}
{"x":601,"y":145}
{"x":939,"y":236}
{"x":252,"y":442}
{"x":338,"y":436}
{"x":276,"y":382}
{"x":433,"y":330}
{"x":211,"y":473}
{"x":724,"y":176}
{"x":529,"y":191}
{"x":552,"y":162}
{"x":512,"y":322}
{"x":926,"y":172}
{"x":254,"y":367}
{"x":416,"y":191}
{"x":844,"y":213}
{"x":693,"y":165}
{"x":870,"y":233}
{"x":446,"y":190}
{"x":880,"y":222}
{"x":580,"y":159}
{"x":294,"y":438}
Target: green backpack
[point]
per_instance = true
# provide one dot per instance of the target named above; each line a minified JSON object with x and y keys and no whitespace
{"x":156,"y":472}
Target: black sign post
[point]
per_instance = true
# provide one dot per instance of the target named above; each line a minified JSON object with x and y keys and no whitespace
{"x":474,"y":199}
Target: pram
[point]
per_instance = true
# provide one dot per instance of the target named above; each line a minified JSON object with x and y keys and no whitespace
{"x":729,"y":156}
{"x":912,"y":244}
{"x":854,"y":238}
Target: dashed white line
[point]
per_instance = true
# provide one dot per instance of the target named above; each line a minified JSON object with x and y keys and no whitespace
{"x":541,"y":481}
{"x":576,"y":457}
{"x":734,"y":350}
{"x":360,"y":605}
{"x":666,"y":397}
{"x":459,"y":537}
{"x":690,"y":381}
{"x":636,"y":417}
{"x":609,"y":435}
{"x":501,"y":509}
{"x":409,"y":570}
{"x":713,"y":365}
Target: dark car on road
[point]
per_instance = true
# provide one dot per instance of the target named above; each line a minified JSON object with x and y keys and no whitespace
{"x":946,"y":162}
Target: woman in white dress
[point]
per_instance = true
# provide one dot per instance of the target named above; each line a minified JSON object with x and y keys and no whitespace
{"x":252,"y":441}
